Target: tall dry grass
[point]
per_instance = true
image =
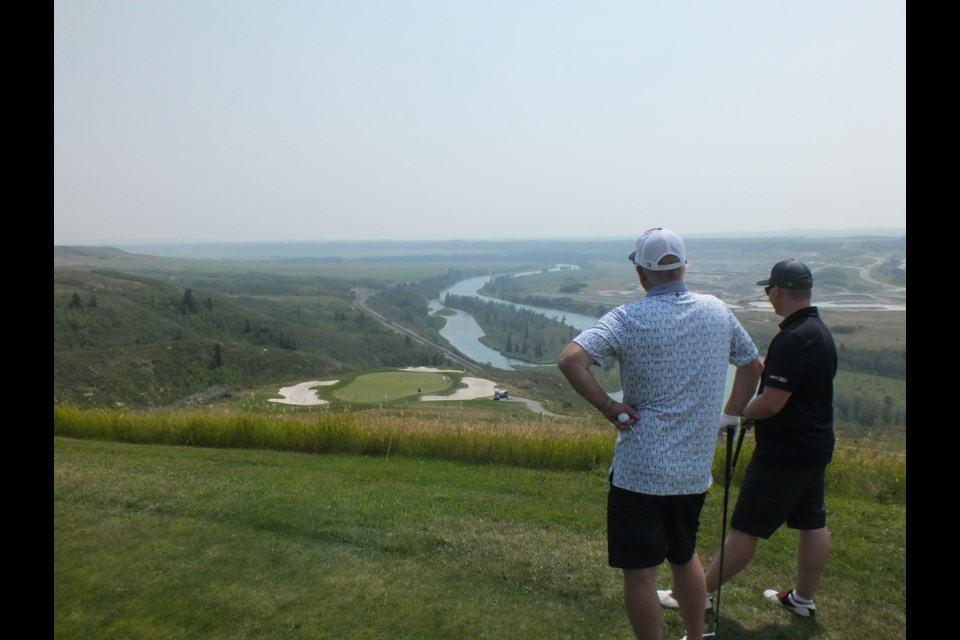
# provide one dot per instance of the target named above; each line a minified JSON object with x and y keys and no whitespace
{"x":365,"y":433}
{"x":561,"y":445}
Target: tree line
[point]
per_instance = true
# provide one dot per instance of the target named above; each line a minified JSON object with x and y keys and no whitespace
{"x":891,"y":363}
{"x":517,"y":333}
{"x":868,"y":411}
{"x":511,"y":289}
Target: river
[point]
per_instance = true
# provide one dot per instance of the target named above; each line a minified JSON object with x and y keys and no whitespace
{"x":463,"y":332}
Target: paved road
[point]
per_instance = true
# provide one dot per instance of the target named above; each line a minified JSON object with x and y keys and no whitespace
{"x":865,"y":275}
{"x":361,"y":303}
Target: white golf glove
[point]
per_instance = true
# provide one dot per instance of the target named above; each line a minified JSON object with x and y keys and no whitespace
{"x":727,"y":421}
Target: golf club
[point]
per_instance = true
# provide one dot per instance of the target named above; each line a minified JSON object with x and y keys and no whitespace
{"x":729,"y":465}
{"x":723,"y":527}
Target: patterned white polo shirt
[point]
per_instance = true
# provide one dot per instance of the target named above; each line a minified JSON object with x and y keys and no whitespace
{"x":674,"y":349}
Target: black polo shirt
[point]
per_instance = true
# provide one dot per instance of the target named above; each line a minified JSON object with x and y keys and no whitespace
{"x":801,"y":359}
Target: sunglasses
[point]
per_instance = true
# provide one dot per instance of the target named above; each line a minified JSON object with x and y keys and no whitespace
{"x":766,"y":290}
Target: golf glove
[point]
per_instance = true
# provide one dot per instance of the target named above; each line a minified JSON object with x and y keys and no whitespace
{"x":725,"y":421}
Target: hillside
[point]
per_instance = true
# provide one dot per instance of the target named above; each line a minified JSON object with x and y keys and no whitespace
{"x":149,"y":331}
{"x":121,"y":338}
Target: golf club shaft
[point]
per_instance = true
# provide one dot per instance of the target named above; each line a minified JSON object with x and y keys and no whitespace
{"x":723,"y":526}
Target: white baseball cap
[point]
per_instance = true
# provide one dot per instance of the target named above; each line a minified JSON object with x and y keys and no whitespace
{"x":655,"y":245}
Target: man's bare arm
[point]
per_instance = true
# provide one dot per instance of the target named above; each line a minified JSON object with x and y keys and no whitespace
{"x":575,"y":363}
{"x":744,"y":387}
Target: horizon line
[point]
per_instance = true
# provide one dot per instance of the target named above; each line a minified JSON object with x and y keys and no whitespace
{"x":852,"y":231}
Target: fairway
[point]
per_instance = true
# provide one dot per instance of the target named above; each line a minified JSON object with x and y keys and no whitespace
{"x":388,"y":386}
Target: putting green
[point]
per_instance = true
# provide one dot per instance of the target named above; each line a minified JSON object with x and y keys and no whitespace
{"x":386,"y":386}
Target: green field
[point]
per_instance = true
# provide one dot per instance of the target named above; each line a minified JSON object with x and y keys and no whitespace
{"x":389,"y":386}
{"x":157,"y":541}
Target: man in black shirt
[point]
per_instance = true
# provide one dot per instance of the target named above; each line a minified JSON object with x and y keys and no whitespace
{"x":793,"y":413}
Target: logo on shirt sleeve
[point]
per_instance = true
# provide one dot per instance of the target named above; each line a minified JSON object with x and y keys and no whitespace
{"x":778,"y":378}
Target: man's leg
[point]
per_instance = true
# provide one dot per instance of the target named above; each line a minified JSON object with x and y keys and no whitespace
{"x":738,"y":550}
{"x":642,"y":605}
{"x":812,"y":552}
{"x":691,"y":592}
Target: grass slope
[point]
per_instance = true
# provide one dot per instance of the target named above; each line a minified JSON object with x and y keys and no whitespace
{"x":167,"y":542}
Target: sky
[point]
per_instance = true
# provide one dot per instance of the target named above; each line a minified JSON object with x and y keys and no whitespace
{"x":285,"y":120}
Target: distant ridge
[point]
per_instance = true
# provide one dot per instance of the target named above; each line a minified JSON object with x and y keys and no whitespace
{"x":193,"y":246}
{"x":452,"y":250}
{"x":808,"y":233}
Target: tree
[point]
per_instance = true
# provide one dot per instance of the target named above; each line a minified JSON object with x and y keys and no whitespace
{"x":217,"y":360}
{"x":187,"y":304}
{"x":75,"y":302}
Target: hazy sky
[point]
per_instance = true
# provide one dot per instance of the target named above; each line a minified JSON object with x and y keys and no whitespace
{"x":243,"y":120}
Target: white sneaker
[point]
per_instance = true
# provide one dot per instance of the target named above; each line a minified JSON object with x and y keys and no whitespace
{"x":667,"y":600}
{"x":787,"y":601}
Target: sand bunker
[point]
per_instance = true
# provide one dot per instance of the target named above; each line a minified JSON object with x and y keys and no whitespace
{"x":476,"y":388}
{"x":303,"y":393}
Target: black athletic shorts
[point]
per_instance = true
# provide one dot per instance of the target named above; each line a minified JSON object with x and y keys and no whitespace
{"x":643,"y":529}
{"x":770,"y":496}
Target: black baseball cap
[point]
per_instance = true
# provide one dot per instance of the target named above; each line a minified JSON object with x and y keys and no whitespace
{"x":789,"y":274}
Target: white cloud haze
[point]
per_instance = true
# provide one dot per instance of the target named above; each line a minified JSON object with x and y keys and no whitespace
{"x":205,"y":120}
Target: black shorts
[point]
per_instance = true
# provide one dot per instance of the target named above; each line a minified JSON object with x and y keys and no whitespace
{"x":643,"y":530}
{"x":770,"y":496}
